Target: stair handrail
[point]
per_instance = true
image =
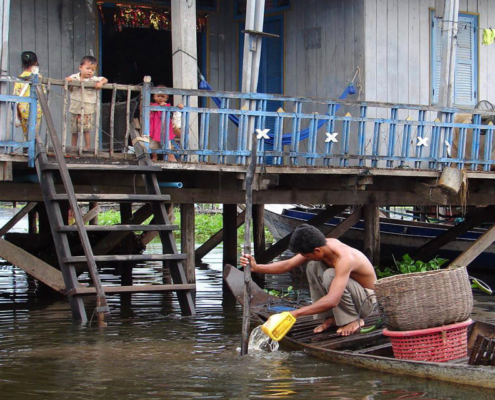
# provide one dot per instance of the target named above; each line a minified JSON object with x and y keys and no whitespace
{"x":102,"y":309}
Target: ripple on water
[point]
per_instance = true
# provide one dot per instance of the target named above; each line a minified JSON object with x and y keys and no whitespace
{"x":150,"y":351}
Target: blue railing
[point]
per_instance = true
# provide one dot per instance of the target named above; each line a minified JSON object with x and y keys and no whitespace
{"x":8,"y":143}
{"x":359,"y":134}
{"x":363,"y":134}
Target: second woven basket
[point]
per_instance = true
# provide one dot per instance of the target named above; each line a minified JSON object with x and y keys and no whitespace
{"x":425,"y":299}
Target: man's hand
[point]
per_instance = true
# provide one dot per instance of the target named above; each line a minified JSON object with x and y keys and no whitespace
{"x":248,"y":259}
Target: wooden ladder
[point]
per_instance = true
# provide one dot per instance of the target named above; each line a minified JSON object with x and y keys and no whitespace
{"x":48,"y":172}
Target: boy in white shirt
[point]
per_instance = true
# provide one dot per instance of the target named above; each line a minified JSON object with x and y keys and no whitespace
{"x":83,"y":105}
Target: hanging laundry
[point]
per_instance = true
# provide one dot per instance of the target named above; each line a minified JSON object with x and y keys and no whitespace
{"x":488,"y":36}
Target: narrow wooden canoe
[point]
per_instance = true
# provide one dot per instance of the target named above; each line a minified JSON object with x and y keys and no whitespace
{"x":369,"y":350}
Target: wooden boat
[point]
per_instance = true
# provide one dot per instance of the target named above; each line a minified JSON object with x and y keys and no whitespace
{"x":370,"y":350}
{"x":397,"y":237}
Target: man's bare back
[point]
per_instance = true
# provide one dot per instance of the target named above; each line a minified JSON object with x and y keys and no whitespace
{"x":361,"y":269}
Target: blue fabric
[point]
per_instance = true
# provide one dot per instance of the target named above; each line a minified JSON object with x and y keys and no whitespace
{"x":287,"y":137}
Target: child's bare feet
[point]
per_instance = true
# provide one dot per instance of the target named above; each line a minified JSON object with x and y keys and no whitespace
{"x":350,"y":329}
{"x":329,"y":322}
{"x":87,"y":149}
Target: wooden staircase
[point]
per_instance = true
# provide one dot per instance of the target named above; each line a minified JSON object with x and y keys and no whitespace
{"x":49,"y":173}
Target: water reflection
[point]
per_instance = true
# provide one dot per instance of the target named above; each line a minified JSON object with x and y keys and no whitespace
{"x":150,"y":352}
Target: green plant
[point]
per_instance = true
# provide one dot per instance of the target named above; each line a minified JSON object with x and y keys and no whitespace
{"x":407,"y":266}
{"x":273,"y":292}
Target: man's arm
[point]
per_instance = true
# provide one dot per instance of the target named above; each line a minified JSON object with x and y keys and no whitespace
{"x":278,"y":267}
{"x":332,"y":299}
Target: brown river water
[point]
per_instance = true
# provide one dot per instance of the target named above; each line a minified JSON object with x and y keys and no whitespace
{"x":149,"y":351}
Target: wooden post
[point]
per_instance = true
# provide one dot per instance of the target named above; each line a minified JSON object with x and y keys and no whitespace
{"x":184,"y":58}
{"x":372,"y":233}
{"x":32,"y":221}
{"x":187,"y":230}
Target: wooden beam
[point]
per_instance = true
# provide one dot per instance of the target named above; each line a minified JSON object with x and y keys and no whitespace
{"x":216,"y":239}
{"x":282,"y":245}
{"x":475,"y":218}
{"x":187,"y":232}
{"x":478,"y":247}
{"x":345,"y":225}
{"x":372,"y":234}
{"x":17,"y":217}
{"x":92,"y":215}
{"x":32,"y":265}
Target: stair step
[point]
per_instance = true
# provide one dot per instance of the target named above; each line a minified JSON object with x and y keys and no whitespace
{"x":134,"y":289}
{"x":134,"y":198}
{"x":134,"y":169}
{"x":127,"y":257}
{"x":118,"y":228}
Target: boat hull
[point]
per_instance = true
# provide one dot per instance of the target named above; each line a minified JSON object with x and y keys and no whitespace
{"x":350,"y":350}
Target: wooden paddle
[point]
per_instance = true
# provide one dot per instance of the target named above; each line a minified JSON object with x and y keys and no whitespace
{"x":246,"y":315}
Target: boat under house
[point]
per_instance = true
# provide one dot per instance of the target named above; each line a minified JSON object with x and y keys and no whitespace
{"x":385,"y":142}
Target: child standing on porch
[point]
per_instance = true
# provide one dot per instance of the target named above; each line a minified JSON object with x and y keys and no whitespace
{"x":82,"y":112}
{"x":160,"y":99}
{"x":29,"y":61}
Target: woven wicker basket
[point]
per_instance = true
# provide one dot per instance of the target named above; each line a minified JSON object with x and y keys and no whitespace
{"x":425,"y":299}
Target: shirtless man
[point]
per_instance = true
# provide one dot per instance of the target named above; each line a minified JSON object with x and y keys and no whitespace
{"x":340,"y":277}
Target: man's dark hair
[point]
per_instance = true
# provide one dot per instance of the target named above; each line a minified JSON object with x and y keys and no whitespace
{"x":305,"y":239}
{"x":89,"y":59}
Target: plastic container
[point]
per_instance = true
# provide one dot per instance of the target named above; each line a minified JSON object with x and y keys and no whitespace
{"x":278,"y":325}
{"x":440,"y":344}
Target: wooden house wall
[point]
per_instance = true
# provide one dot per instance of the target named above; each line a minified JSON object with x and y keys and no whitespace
{"x":321,"y":70}
{"x":397,"y":66}
{"x":60,"y":32}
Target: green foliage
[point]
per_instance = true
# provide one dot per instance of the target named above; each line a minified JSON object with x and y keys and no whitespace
{"x":110,"y":217}
{"x":206,"y":225}
{"x":407,"y":266}
{"x":278,"y":293}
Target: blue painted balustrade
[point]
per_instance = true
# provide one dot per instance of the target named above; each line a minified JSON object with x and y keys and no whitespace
{"x":404,"y":136}
{"x":8,"y":143}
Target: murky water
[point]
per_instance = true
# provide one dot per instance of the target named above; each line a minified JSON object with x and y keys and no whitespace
{"x":149,"y":351}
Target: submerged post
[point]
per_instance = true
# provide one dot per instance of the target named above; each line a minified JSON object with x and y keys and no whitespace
{"x":247,"y":247}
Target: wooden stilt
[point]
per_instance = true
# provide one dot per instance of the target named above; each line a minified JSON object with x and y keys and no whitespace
{"x":372,"y":233}
{"x":187,"y":229}
{"x":33,"y":221}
